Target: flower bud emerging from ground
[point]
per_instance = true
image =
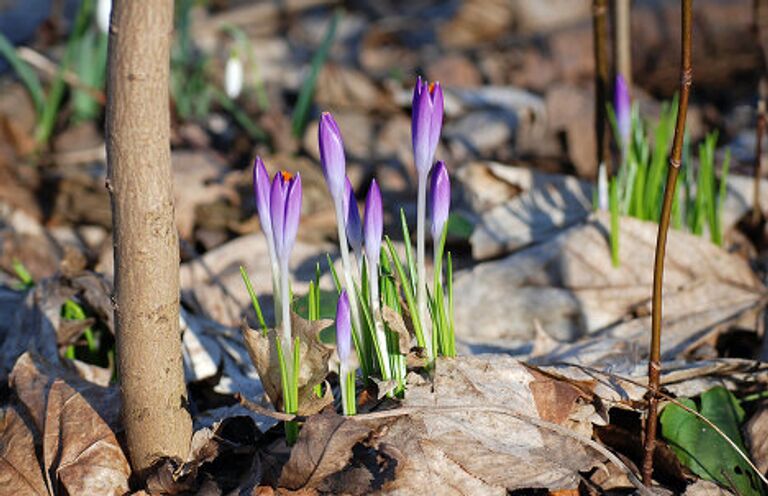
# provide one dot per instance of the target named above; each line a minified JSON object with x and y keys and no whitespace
{"x":426,"y":123}
{"x":440,"y":198}
{"x":352,"y":221}
{"x":373,"y":225}
{"x":343,"y":330}
{"x":623,"y":107}
{"x":332,"y":155}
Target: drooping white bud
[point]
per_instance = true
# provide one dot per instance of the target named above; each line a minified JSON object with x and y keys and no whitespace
{"x":233,"y":76}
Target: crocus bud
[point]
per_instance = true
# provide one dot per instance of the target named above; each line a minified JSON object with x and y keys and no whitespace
{"x":285,"y":211}
{"x":261,"y":191}
{"x":343,"y":329}
{"x":352,"y":218}
{"x":426,"y":123}
{"x":373,"y":224}
{"x":233,"y":76}
{"x":103,"y":11}
{"x":332,"y":155}
{"x":440,"y":198}
{"x":623,"y":107}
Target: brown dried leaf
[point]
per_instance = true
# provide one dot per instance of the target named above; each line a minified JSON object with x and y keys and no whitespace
{"x":80,"y":450}
{"x":757,"y":436}
{"x":33,"y":376}
{"x":324,"y":447}
{"x":396,"y":324}
{"x":20,"y":470}
{"x":314,"y":357}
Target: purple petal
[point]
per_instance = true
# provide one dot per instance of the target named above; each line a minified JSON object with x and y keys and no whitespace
{"x":332,"y":155}
{"x":292,"y":214}
{"x":373,"y":224}
{"x":440,"y":198}
{"x":277,"y":211}
{"x":352,"y":218}
{"x":261,"y":190}
{"x":436,"y":123}
{"x":343,"y":328}
{"x":421,"y":121}
{"x":623,"y":108}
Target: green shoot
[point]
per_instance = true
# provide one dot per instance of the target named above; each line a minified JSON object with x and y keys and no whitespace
{"x":408,"y":291}
{"x":26,"y":74}
{"x":254,"y":300}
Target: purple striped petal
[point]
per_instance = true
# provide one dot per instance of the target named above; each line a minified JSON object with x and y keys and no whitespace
{"x":261,"y":191}
{"x":440,"y":198}
{"x":352,"y":218}
{"x":343,"y":329}
{"x":332,"y":155}
{"x":292,"y":214}
{"x":623,"y":107}
{"x":426,"y":123}
{"x":277,"y":211}
{"x":373,"y":224}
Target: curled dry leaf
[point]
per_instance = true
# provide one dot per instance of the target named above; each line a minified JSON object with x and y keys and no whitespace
{"x":314,"y":356}
{"x":80,"y":450}
{"x":20,"y":470}
{"x":396,"y":324}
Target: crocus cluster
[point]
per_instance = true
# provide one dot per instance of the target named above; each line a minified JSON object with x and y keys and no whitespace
{"x":279,"y":208}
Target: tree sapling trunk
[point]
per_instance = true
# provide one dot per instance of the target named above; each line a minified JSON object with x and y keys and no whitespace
{"x":154,"y":409}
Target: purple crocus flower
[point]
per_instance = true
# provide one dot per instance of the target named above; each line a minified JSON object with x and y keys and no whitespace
{"x":343,"y":330}
{"x":426,"y":123}
{"x":352,"y":220}
{"x":623,"y":107}
{"x":440,"y":198}
{"x":261,"y":190}
{"x":373,"y":224}
{"x":332,"y":155}
{"x":285,"y":211}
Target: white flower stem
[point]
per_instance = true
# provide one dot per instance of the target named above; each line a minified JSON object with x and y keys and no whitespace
{"x":381,"y":337}
{"x":286,"y":318}
{"x":346,"y":265}
{"x":421,"y":278}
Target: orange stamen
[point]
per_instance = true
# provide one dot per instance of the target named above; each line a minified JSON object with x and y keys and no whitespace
{"x":431,"y":88}
{"x":287,"y":176}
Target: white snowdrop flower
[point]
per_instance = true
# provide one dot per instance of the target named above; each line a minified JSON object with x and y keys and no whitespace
{"x":233,"y":76}
{"x":103,"y":10}
{"x":602,"y":187}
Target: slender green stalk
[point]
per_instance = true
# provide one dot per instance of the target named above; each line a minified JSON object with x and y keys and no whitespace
{"x":408,"y":292}
{"x":380,"y":335}
{"x":286,"y":314}
{"x":654,"y":360}
{"x":347,"y":387}
{"x":254,"y":300}
{"x":451,"y":330}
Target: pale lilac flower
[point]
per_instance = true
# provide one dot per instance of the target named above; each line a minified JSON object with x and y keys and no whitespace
{"x":623,"y":108}
{"x":352,"y":221}
{"x":373,"y":225}
{"x":332,"y":155}
{"x":426,"y":123}
{"x":440,"y":198}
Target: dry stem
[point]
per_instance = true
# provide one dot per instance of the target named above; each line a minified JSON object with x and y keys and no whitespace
{"x":599,"y":40}
{"x":654,"y":361}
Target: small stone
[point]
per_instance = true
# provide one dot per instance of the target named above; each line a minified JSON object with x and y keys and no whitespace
{"x":455,"y":70}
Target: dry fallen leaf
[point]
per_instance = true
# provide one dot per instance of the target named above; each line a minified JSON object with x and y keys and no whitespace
{"x":20,"y":470}
{"x":314,"y":356}
{"x":80,"y":451}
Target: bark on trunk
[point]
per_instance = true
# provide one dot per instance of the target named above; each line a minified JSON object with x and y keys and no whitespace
{"x":155,"y":414}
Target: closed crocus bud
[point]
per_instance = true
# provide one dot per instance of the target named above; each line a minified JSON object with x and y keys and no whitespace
{"x":285,"y":211}
{"x":332,"y":155}
{"x":426,"y":123}
{"x":623,"y":107}
{"x":352,"y":218}
{"x":343,"y":330}
{"x":103,"y":11}
{"x":440,"y":198}
{"x":233,"y":76}
{"x":261,"y":191}
{"x":373,"y":224}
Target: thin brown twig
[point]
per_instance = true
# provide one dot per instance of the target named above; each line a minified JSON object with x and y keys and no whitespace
{"x":654,"y":361}
{"x":501,"y":410}
{"x":599,"y":41}
{"x":757,"y":211}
